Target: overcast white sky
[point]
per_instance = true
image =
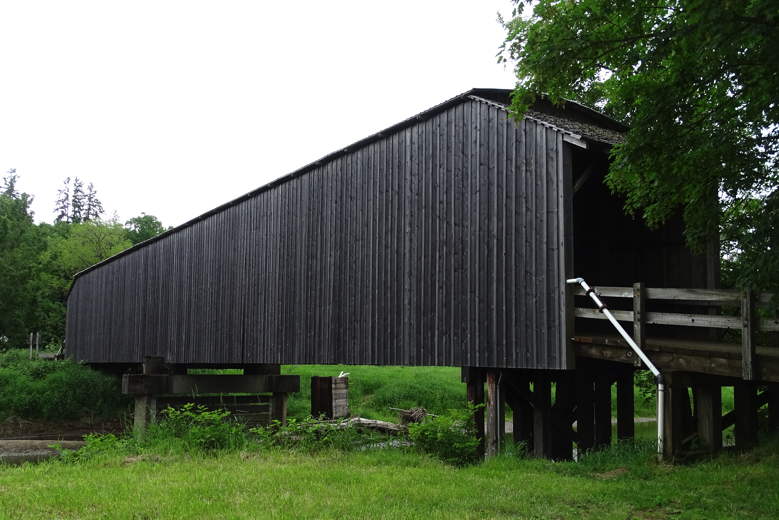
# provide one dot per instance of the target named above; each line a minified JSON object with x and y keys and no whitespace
{"x":174,"y":107}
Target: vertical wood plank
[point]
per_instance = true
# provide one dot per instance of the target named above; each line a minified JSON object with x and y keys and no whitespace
{"x":639,"y":314}
{"x":602,"y":412}
{"x":542,"y":427}
{"x":585,"y":410}
{"x":475,"y":389}
{"x":747,"y":335}
{"x":278,"y":407}
{"x":673,"y":435}
{"x":625,"y":405}
{"x":493,"y":419}
{"x":745,"y":406}
{"x":708,"y":413}
{"x":562,"y":417}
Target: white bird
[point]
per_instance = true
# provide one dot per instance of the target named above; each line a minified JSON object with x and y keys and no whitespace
{"x":343,"y":374}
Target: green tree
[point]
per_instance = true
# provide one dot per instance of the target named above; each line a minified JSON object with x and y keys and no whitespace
{"x":20,"y":246}
{"x":143,"y":227}
{"x":75,"y":247}
{"x":696,"y":82}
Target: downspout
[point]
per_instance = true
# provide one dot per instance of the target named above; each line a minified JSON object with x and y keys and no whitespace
{"x":589,"y":291}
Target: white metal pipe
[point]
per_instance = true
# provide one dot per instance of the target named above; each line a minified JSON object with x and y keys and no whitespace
{"x":640,"y":353}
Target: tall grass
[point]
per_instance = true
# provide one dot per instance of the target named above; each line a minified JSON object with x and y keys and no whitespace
{"x":374,"y":390}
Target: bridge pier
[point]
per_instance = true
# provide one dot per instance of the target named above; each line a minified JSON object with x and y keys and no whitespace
{"x":159,"y":385}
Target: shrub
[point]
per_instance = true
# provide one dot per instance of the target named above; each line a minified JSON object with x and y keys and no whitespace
{"x":310,"y":435}
{"x":55,"y":390}
{"x":451,"y":437}
{"x":199,"y":429}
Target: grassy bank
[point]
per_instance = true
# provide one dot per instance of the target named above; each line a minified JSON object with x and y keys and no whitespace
{"x":620,"y":483}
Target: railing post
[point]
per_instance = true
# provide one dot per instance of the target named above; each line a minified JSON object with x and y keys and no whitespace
{"x":748,"y":326}
{"x":639,"y":314}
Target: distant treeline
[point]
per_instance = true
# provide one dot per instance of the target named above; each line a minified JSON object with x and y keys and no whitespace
{"x":38,"y":261}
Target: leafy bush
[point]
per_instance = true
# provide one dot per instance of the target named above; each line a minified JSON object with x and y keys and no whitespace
{"x":451,"y":437}
{"x":199,"y":429}
{"x":55,"y":390}
{"x":309,"y":435}
{"x":97,"y":445}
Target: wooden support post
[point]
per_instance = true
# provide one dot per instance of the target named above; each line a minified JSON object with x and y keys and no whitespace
{"x":745,"y":406}
{"x":278,"y":407}
{"x":602,"y":409}
{"x":495,"y":418}
{"x":773,"y":407}
{"x":676,"y":404}
{"x":562,"y":418}
{"x":625,"y":404}
{"x":708,"y":413}
{"x":748,"y":329}
{"x":522,"y":411}
{"x":475,"y":389}
{"x":542,"y":424}
{"x":639,"y":314}
{"x":585,"y":410}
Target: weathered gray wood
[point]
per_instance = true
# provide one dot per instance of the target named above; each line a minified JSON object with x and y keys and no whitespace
{"x":681,"y":356}
{"x":639,"y":314}
{"x":625,"y":405}
{"x":608,"y":291}
{"x":494,"y":418}
{"x":708,"y":414}
{"x":278,"y":407}
{"x":693,"y":320}
{"x":699,"y":296}
{"x":745,"y":408}
{"x":747,"y":336}
{"x":677,"y":406}
{"x":542,"y":423}
{"x":208,"y":384}
{"x":595,"y":314}
{"x":475,"y":389}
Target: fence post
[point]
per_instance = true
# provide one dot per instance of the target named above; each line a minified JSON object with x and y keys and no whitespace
{"x":639,"y":308}
{"x":747,"y":335}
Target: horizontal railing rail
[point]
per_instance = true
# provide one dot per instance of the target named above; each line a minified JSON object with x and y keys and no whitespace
{"x":748,"y":321}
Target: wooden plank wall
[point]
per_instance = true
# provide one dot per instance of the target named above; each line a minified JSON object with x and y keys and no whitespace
{"x":435,"y":244}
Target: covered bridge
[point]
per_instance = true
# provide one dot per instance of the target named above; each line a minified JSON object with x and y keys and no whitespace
{"x":445,"y":239}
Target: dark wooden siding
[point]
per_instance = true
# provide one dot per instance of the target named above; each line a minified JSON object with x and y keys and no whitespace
{"x":437,"y":244}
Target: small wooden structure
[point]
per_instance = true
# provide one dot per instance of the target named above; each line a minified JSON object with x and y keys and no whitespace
{"x":330,"y":397}
{"x":256,"y":397}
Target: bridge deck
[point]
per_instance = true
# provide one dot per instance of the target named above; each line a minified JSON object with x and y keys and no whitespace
{"x":705,"y":357}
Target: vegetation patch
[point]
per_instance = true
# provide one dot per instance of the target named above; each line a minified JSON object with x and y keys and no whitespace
{"x":55,"y":390}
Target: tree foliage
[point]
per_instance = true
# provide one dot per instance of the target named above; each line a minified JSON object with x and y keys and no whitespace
{"x":74,"y":205}
{"x":143,"y":227}
{"x":696,"y":82}
{"x":38,"y":261}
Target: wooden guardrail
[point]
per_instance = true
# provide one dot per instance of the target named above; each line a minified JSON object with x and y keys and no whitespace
{"x":748,"y":321}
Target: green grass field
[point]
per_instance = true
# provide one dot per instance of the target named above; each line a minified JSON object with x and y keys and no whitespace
{"x":620,"y":483}
{"x":163,"y":481}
